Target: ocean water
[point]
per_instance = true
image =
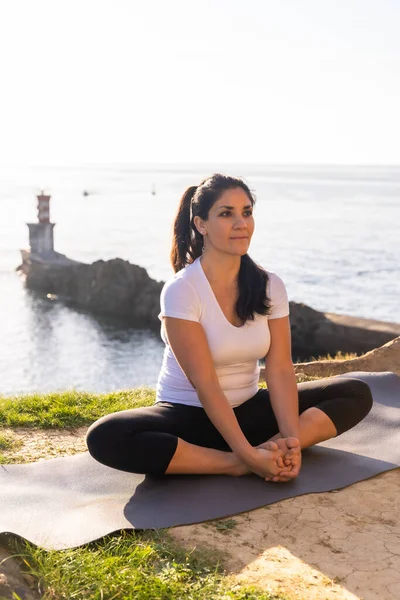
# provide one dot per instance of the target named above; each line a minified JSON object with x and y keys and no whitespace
{"x":331,"y":233}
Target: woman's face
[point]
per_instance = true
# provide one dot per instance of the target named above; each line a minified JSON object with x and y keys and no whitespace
{"x":230,"y":223}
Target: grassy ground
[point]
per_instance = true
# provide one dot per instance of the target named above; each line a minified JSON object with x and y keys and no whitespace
{"x":127,"y":565}
{"x":8,"y":444}
{"x":68,"y":409}
{"x":131,"y":566}
{"x":339,"y":356}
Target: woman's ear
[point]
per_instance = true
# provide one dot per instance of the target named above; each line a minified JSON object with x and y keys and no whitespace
{"x":199,"y":224}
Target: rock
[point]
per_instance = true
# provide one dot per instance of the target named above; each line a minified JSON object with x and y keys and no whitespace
{"x":113,"y":288}
{"x":117,"y":288}
{"x":317,"y":333}
{"x":385,"y":358}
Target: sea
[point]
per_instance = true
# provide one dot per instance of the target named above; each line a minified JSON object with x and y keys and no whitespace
{"x":331,"y":233}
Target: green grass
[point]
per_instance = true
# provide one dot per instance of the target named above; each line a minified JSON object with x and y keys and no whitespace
{"x":131,"y":566}
{"x":225,"y":525}
{"x":7,"y":443}
{"x":68,"y":409}
{"x":339,"y":356}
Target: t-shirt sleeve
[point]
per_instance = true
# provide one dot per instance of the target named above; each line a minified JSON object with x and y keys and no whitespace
{"x":277,"y":294}
{"x":179,"y":299}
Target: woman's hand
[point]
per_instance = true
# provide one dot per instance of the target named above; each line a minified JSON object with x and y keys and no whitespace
{"x":291,"y":456}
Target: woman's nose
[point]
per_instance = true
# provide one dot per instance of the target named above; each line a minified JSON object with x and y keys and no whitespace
{"x":240,"y":223}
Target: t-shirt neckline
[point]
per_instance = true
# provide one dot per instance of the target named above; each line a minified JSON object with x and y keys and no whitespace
{"x":211,"y":291}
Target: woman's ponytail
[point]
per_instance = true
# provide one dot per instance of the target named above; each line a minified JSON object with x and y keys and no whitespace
{"x":182,"y":232}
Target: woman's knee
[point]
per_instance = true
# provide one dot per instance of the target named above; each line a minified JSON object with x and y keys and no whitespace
{"x":125,"y":444}
{"x":362,"y":395}
{"x":355,"y":402}
{"x":348,"y":403}
{"x":111,"y":444}
{"x":100,"y":438}
{"x":114,"y":428}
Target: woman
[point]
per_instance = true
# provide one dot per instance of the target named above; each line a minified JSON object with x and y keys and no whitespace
{"x":220,"y":313}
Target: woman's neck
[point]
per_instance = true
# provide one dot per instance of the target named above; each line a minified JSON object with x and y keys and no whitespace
{"x":221,"y":269}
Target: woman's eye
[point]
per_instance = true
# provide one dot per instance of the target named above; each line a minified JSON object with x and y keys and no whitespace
{"x":247,"y":213}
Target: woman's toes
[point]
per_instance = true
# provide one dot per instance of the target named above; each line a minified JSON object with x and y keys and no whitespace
{"x":279,"y":462}
{"x":292,"y":442}
{"x":270,"y":446}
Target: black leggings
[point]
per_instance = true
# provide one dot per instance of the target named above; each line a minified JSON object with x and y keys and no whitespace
{"x":144,"y":440}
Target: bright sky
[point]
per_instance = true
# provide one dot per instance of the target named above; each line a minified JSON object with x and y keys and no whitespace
{"x":274,"y":81}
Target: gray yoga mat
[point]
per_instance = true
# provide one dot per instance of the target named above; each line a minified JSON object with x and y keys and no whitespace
{"x":65,"y":502}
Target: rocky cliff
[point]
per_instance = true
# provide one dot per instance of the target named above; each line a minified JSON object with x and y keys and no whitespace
{"x":120,"y":289}
{"x":112,"y":288}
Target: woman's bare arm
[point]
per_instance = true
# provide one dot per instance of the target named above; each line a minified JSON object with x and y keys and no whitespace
{"x":282,"y":387}
{"x":281,"y":379}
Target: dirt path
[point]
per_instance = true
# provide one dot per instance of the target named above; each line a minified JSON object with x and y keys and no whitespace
{"x":342,"y":545}
{"x":338,"y":545}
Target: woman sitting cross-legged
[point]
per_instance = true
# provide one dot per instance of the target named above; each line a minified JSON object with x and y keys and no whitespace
{"x":220,"y":314}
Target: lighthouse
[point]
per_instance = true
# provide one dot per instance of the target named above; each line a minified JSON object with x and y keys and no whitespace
{"x":41,"y":236}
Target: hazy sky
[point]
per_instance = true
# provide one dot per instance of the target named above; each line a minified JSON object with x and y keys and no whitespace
{"x":275,"y":81}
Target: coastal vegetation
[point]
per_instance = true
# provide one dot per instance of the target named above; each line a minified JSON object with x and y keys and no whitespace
{"x":68,"y":409}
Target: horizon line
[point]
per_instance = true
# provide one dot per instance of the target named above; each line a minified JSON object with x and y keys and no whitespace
{"x":200,"y":164}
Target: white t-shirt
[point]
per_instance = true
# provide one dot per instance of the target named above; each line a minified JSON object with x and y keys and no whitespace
{"x":235,"y":350}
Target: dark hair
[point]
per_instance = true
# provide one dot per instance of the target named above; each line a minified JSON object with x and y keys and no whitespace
{"x":188,"y":242}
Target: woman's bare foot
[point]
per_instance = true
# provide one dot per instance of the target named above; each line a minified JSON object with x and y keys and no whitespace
{"x":273,"y":447}
{"x":282,"y":461}
{"x":265,"y":461}
{"x":281,"y":443}
{"x":240,"y":468}
{"x":294,"y":450}
{"x":291,"y":449}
